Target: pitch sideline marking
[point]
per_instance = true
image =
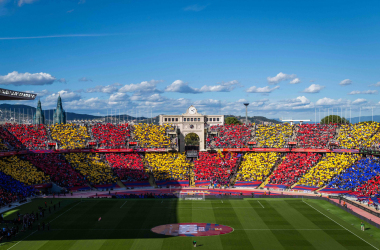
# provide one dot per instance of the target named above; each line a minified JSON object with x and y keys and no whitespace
{"x":340,"y":225}
{"x":260,"y":204}
{"x":65,"y":211}
{"x":22,"y":239}
{"x":123,"y":204}
{"x":255,"y":229}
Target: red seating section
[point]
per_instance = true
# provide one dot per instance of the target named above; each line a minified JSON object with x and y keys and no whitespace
{"x":372,"y":187}
{"x":315,"y":135}
{"x":293,"y":167}
{"x":230,"y":136}
{"x":111,"y":136}
{"x":30,"y":136}
{"x":59,"y":170}
{"x":128,"y":167}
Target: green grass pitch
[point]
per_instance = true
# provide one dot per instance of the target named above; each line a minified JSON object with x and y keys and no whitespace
{"x":257,"y":223}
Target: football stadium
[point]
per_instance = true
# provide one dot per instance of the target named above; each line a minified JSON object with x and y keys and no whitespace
{"x":113,"y":185}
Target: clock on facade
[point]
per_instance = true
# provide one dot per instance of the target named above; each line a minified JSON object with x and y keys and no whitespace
{"x":192,"y":110}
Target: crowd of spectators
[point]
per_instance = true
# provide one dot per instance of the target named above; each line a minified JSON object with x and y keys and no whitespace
{"x":359,"y":135}
{"x":370,"y":188}
{"x":168,"y":166}
{"x":12,"y":190}
{"x":357,"y":175}
{"x":2,"y":146}
{"x":215,"y":167}
{"x":30,"y":136}
{"x":257,"y":166}
{"x":315,"y":135}
{"x":10,"y":141}
{"x":22,"y":171}
{"x":294,"y":166}
{"x":128,"y":167}
{"x":331,"y":165}
{"x":91,"y":167}
{"x":273,"y":136}
{"x":57,"y":168}
{"x":229,"y":136}
{"x":110,"y":135}
{"x":69,"y":136}
{"x":151,"y":136}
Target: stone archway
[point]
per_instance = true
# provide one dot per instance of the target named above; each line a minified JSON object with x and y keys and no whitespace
{"x":182,"y":137}
{"x":192,"y":139}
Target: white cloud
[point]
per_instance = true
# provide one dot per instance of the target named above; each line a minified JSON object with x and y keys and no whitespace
{"x":62,"y":80}
{"x":367,"y":92}
{"x":265,"y":89}
{"x":295,"y":81}
{"x":181,"y":87}
{"x":195,"y":7}
{"x":314,"y":88}
{"x":19,"y":79}
{"x":359,"y":101}
{"x":84,"y":79}
{"x":118,"y":97}
{"x":82,"y":1}
{"x":328,"y":102}
{"x":66,"y":96}
{"x":376,"y":84}
{"x":109,"y":89}
{"x":39,"y":93}
{"x":145,"y":86}
{"x":345,"y":82}
{"x":280,"y":77}
{"x":223,"y":87}
{"x":22,"y":2}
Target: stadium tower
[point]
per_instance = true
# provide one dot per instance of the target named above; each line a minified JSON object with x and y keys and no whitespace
{"x":59,"y":114}
{"x":39,"y":117}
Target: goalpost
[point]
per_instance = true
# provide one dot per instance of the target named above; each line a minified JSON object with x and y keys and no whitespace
{"x":192,"y":197}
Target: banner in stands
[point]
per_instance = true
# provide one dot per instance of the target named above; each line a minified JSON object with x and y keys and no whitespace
{"x":278,"y":186}
{"x":302,"y":187}
{"x":41,"y":186}
{"x":182,"y":183}
{"x":270,"y":149}
{"x":122,"y":150}
{"x":353,"y":151}
{"x":155,"y":150}
{"x":311,"y":150}
{"x":202,"y":183}
{"x":136,"y":183}
{"x":334,"y":191}
{"x":247,"y":183}
{"x":105,"y":186}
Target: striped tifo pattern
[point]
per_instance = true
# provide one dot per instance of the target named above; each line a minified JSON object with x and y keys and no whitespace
{"x":257,"y":224}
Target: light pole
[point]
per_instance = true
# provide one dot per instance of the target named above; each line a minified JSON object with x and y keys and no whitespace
{"x":246,"y":112}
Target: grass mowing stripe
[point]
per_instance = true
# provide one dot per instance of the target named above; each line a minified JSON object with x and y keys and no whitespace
{"x":340,"y":225}
{"x":65,"y":212}
{"x":123,"y":204}
{"x":22,"y":239}
{"x":273,"y":219}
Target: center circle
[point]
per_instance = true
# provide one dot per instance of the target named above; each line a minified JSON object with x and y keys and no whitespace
{"x":192,"y":229}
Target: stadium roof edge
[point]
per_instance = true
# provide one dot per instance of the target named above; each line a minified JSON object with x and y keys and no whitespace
{"x":12,"y":95}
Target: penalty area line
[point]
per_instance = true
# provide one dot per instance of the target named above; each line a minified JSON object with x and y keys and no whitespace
{"x":22,"y":240}
{"x":123,"y":204}
{"x":65,"y":211}
{"x":340,"y":225}
{"x":260,"y":204}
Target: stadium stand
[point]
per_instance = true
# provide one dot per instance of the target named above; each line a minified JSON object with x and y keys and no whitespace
{"x":370,"y":188}
{"x":315,"y":135}
{"x":69,"y":136}
{"x":168,"y":166}
{"x":256,"y":166}
{"x":111,"y":136}
{"x":128,"y":167}
{"x":293,"y":168}
{"x":91,"y":167}
{"x":61,"y":173}
{"x":357,"y":175}
{"x":11,"y":142}
{"x":229,"y":136}
{"x":215,"y":167}
{"x":355,"y":136}
{"x":12,"y":190}
{"x":273,"y":136}
{"x":331,"y":165}
{"x":22,"y":171}
{"x":30,"y":136}
{"x":151,"y":136}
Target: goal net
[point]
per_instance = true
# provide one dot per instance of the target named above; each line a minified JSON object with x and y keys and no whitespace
{"x":192,"y":197}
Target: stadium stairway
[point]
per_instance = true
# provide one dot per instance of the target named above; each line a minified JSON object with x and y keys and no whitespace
{"x":234,"y":175}
{"x":121,"y":184}
{"x":279,"y":161}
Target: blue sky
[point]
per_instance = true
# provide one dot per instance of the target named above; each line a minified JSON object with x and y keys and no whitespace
{"x":287,"y":58}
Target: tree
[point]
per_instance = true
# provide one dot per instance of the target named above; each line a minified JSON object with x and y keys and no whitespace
{"x":192,"y":139}
{"x":334,"y":119}
{"x":232,"y":120}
